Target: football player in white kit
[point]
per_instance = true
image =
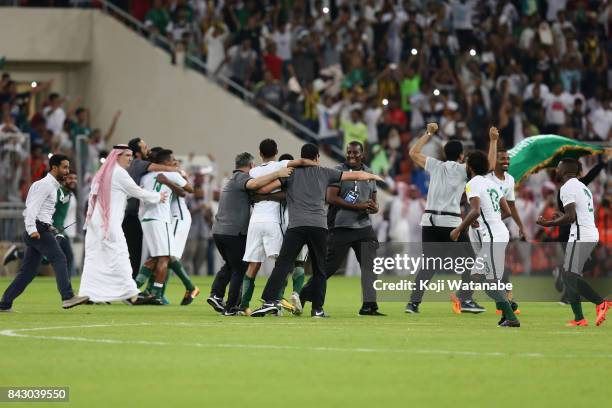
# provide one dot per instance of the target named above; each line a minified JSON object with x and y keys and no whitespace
{"x":265,"y":233}
{"x":579,"y":212}
{"x":487,"y":206}
{"x":180,"y":228}
{"x":505,"y":183}
{"x":159,"y":229}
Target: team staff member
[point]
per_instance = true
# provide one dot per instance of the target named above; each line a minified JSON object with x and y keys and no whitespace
{"x":40,"y":240}
{"x":131,"y":224}
{"x":443,"y":212}
{"x":351,"y":202}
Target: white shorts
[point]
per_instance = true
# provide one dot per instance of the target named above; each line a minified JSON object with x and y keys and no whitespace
{"x":475,"y":239}
{"x":303,"y":254}
{"x":264,"y":240}
{"x":577,"y":253}
{"x":492,"y":256}
{"x":158,"y":238}
{"x":180,"y":230}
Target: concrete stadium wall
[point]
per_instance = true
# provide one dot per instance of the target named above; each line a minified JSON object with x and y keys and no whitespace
{"x":45,"y":34}
{"x":117,"y":69}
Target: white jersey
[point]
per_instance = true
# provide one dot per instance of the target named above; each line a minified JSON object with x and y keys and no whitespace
{"x":583,"y":229}
{"x":506,"y":186}
{"x":266,"y":211}
{"x":159,"y":211}
{"x":490,"y":220}
{"x":179,"y":209}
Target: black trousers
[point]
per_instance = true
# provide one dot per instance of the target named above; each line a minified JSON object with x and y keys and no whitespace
{"x":295,"y":238}
{"x":232,"y":272}
{"x":364,"y":243}
{"x":133,"y":236}
{"x":65,"y":245}
{"x":48,"y":247}
{"x":436,"y":236}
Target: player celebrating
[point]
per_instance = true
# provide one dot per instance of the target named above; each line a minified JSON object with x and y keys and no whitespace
{"x":180,"y":226}
{"x":505,"y":183}
{"x":157,"y":223}
{"x":578,"y":207}
{"x":265,"y":235}
{"x":230,"y":229}
{"x":486,"y":206}
{"x":307,"y":225}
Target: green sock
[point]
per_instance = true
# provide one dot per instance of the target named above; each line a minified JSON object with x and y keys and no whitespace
{"x":248,"y":286}
{"x":150,"y":284}
{"x":144,"y":274}
{"x":506,"y":310}
{"x":177,"y":268}
{"x":298,"y":278}
{"x":156,"y":289}
{"x":577,"y":309}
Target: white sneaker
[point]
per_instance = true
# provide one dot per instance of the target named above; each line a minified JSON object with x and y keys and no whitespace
{"x":297,"y":304}
{"x":74,"y":301}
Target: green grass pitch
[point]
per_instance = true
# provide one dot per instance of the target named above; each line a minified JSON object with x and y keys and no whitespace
{"x":122,"y":356}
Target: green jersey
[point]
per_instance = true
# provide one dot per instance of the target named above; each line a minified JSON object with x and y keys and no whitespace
{"x":61,"y":207}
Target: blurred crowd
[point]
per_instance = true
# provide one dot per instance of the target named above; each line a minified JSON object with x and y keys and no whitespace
{"x":378,"y":70}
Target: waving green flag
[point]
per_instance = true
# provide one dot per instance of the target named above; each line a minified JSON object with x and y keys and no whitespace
{"x":537,"y":152}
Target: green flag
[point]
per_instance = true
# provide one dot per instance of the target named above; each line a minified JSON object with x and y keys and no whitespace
{"x":537,"y":152}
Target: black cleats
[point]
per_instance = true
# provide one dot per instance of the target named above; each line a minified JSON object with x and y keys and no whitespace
{"x":216,"y":303}
{"x":412,"y":307}
{"x":469,"y":306}
{"x":318,"y":314}
{"x":266,"y":309}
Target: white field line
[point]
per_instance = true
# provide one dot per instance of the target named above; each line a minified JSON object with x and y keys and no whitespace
{"x":23,"y":333}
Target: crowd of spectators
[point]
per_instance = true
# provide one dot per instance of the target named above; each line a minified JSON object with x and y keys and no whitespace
{"x":378,"y":70}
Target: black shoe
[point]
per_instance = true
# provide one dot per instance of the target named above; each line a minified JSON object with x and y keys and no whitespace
{"x":216,"y":303}
{"x":503,"y":319}
{"x":231,"y":312}
{"x":265,"y":309}
{"x":370,"y":312}
{"x":147,"y":299}
{"x":510,"y":323}
{"x":318,"y":314}
{"x":10,"y":255}
{"x":189,"y":296}
{"x":412,"y":307}
{"x":469,"y":306}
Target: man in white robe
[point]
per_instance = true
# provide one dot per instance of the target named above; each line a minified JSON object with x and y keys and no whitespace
{"x":107,"y":272}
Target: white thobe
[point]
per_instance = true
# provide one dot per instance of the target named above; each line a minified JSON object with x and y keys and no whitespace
{"x":107,"y":272}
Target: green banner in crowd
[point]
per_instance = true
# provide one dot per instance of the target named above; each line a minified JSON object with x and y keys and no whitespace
{"x":537,"y":152}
